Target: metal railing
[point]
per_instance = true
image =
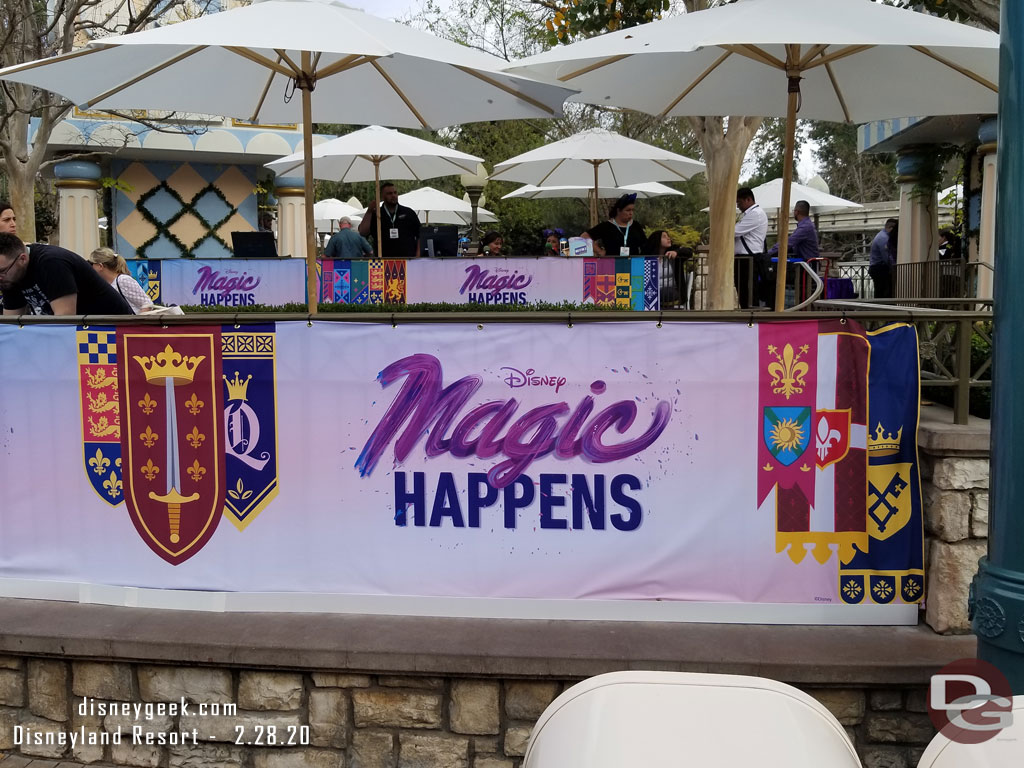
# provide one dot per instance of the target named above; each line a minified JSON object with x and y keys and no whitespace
{"x":955,"y":344}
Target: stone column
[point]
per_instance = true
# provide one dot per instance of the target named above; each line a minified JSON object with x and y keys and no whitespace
{"x":77,"y":187}
{"x":997,"y":594}
{"x":987,"y":134}
{"x":291,"y":211}
{"x":919,"y":226}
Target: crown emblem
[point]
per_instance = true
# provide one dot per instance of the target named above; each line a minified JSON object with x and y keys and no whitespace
{"x":237,"y":389}
{"x":169,"y":365}
{"x":152,"y":274}
{"x":883,"y":443}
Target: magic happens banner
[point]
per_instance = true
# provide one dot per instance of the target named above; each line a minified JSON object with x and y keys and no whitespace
{"x":690,"y":462}
{"x":625,"y":283}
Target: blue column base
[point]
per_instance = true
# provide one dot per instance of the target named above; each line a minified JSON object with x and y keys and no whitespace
{"x":996,"y":609}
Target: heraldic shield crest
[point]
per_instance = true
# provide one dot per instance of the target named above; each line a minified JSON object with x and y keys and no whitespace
{"x":101,"y":420}
{"x":831,"y":436}
{"x":787,"y":432}
{"x":172,"y":436}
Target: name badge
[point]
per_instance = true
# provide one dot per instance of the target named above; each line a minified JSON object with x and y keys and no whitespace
{"x":393,"y":233}
{"x":624,"y":251}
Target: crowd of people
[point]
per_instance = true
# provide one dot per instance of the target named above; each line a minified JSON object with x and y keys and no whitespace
{"x":44,"y":279}
{"x":41,"y":279}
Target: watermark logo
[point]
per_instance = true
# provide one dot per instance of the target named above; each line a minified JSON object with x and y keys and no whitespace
{"x":970,"y":701}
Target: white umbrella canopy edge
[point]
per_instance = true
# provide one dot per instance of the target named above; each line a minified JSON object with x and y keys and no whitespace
{"x":722,"y":43}
{"x":599,"y":157}
{"x":264,"y":51}
{"x":769,"y":197}
{"x":643,"y":191}
{"x":852,"y":64}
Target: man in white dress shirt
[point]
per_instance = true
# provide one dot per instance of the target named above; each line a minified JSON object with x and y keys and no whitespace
{"x":751,"y":231}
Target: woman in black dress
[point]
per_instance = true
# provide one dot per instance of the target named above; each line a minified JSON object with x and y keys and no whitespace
{"x":621,"y":235}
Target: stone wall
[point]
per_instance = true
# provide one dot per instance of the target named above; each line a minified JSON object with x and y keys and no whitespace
{"x":954,"y":479}
{"x":349,"y":720}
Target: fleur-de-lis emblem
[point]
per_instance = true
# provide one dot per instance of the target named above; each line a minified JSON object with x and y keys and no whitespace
{"x":196,"y":472}
{"x":113,"y":485}
{"x":852,"y":590}
{"x":150,"y":470}
{"x":149,"y":437}
{"x":239,"y":493}
{"x":147,"y":404}
{"x":194,"y":405}
{"x":117,"y":462}
{"x":882,"y":590}
{"x":195,"y":437}
{"x":912,"y":588}
{"x":99,"y":462}
{"x":789,"y":372}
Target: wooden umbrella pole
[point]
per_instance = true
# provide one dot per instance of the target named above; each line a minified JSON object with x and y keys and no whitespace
{"x":593,"y":200}
{"x":787,"y":181}
{"x":380,"y":205}
{"x":306,"y":84}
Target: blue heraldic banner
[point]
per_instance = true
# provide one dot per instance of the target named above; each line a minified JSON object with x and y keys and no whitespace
{"x":892,"y":570}
{"x":250,"y":417}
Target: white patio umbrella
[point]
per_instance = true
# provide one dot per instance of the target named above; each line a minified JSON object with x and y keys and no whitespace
{"x":599,"y":158}
{"x":436,"y":207}
{"x":769,"y":196}
{"x":371,"y":152}
{"x":643,"y":191}
{"x":248,"y":62}
{"x":841,"y":60}
{"x":328,"y":211}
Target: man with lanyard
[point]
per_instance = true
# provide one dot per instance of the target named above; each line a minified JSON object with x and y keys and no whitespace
{"x":621,"y":235}
{"x":400,"y":226}
{"x":46,"y":280}
{"x":751,"y":231}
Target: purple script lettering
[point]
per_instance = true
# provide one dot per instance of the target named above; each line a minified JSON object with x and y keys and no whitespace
{"x":478,"y":279}
{"x":209,"y":280}
{"x":423,"y":406}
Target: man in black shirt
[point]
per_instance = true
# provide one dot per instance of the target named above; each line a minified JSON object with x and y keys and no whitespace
{"x":47,"y":280}
{"x":399,"y":226}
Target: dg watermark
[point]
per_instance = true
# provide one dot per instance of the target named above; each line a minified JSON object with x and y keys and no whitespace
{"x":970,"y":701}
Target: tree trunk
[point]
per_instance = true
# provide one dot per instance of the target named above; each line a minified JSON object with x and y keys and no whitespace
{"x":23,"y":198}
{"x":724,"y":149}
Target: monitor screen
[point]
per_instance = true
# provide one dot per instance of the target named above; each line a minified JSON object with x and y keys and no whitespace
{"x":439,"y":241}
{"x":253,"y":245}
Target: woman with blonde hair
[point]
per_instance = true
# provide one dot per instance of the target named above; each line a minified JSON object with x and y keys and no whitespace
{"x":112,"y":268}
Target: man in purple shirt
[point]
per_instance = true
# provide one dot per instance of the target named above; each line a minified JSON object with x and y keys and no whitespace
{"x":803,"y":242}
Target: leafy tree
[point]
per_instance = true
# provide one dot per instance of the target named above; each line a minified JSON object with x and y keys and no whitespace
{"x":982,"y":12}
{"x":769,"y":151}
{"x":850,"y":174}
{"x":33,"y":29}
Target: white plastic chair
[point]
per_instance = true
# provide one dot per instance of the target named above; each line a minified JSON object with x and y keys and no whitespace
{"x":1004,"y":750}
{"x":675,"y":719}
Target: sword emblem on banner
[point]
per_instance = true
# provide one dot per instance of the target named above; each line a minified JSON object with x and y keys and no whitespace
{"x":172,"y":438}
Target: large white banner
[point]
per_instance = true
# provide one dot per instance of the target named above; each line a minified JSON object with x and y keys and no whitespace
{"x":603,"y":461}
